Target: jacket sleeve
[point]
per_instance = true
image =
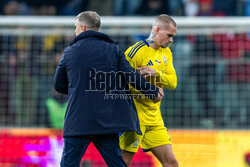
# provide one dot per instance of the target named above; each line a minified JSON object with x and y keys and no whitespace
{"x":135,"y":79}
{"x":61,"y":79}
{"x":168,"y":77}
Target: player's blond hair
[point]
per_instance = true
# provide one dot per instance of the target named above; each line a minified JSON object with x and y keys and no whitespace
{"x":164,"y":20}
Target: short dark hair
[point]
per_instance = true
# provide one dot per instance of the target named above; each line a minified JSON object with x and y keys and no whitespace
{"x":90,"y":19}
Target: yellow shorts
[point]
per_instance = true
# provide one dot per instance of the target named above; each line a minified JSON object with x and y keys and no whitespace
{"x":152,"y":136}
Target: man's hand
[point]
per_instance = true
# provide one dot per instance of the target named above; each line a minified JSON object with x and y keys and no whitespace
{"x":160,"y":96}
{"x":147,"y":72}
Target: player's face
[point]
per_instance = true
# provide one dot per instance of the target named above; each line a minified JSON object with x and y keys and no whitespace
{"x":165,"y":36}
{"x":79,"y":27}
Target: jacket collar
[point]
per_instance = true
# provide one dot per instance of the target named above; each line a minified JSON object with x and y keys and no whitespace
{"x":91,"y":33}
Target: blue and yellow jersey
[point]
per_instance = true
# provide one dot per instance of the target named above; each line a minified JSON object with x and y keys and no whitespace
{"x":142,"y":55}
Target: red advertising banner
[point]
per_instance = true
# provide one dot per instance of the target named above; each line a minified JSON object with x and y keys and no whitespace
{"x":43,"y":148}
{"x":192,"y":148}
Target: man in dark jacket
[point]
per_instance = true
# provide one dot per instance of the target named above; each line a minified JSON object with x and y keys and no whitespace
{"x":91,"y":70}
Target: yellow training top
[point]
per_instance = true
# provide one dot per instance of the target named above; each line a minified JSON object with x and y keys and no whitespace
{"x":142,"y":55}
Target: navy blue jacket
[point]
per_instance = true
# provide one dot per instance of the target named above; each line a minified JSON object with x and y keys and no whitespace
{"x":91,"y":69}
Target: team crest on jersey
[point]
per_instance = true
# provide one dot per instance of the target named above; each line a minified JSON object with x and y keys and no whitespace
{"x":165,"y":59}
{"x":158,"y":62}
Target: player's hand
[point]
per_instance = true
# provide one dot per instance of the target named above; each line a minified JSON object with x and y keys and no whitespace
{"x":147,"y":72}
{"x":160,"y":96}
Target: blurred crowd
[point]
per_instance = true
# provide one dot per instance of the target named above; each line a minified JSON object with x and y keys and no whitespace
{"x":213,"y":70}
{"x":213,"y":80}
{"x":127,"y":7}
{"x":27,"y":67}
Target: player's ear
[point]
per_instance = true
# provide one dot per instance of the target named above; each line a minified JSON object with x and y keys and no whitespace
{"x":156,"y":30}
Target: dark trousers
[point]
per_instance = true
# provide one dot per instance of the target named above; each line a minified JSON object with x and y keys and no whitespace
{"x":107,"y":145}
